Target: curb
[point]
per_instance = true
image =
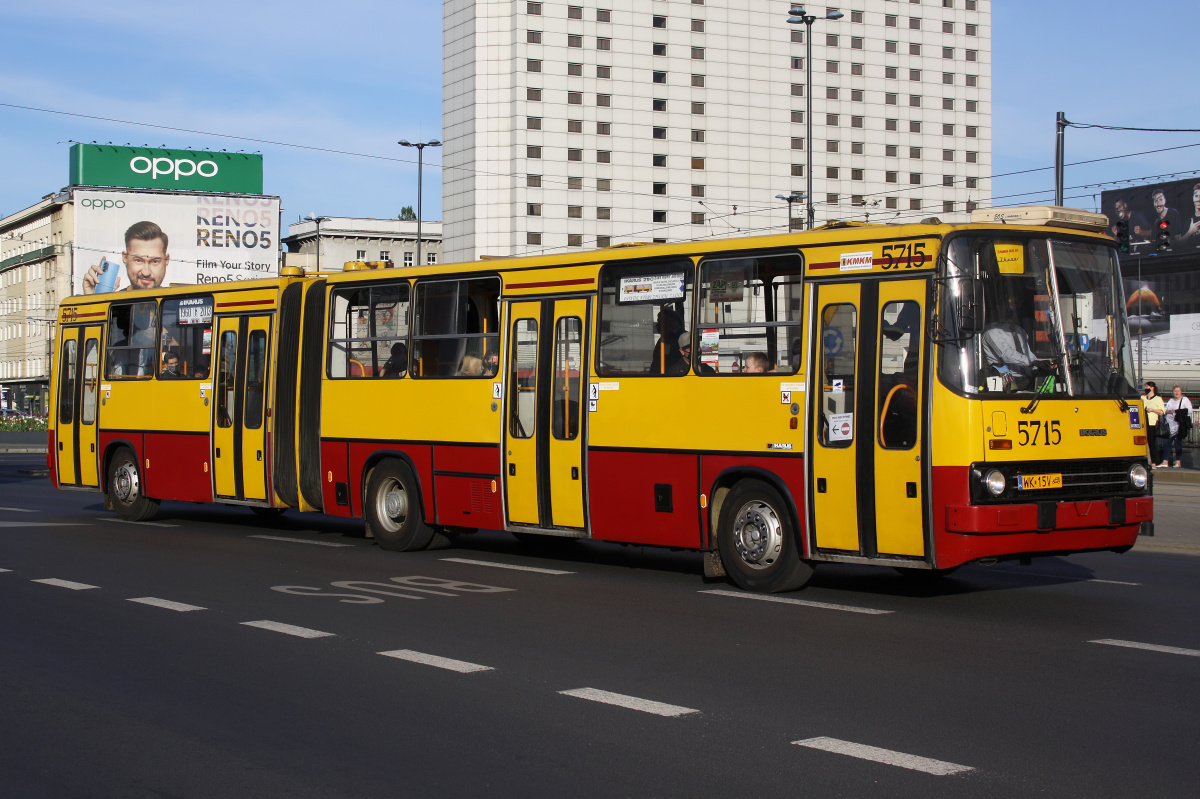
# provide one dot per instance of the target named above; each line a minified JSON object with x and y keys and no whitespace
{"x":1177,"y":476}
{"x":1169,"y":549}
{"x":17,"y":450}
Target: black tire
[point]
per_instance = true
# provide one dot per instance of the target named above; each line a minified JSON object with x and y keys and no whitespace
{"x":757,"y":540}
{"x":125,"y":488}
{"x":392,"y":509}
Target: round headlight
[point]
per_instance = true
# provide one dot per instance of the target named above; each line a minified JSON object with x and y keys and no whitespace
{"x":995,"y":482}
{"x":1138,"y":477}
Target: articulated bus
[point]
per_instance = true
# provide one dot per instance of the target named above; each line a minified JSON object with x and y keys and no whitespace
{"x":914,"y":396}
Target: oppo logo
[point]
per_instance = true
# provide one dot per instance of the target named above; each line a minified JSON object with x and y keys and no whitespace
{"x":179,"y":167}
{"x":102,"y":205}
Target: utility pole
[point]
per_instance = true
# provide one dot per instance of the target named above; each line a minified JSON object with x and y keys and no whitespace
{"x":1060,"y":125}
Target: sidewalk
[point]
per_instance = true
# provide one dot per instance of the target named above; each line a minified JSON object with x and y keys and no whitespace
{"x":1176,"y":513}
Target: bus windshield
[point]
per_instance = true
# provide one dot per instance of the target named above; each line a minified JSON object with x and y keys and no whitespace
{"x":1033,"y":316}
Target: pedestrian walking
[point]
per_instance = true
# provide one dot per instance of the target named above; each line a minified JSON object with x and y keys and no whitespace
{"x":1179,"y":419}
{"x":1156,"y":411}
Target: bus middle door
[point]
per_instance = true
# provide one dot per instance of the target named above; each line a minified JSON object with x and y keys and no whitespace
{"x":240,"y":406}
{"x":545,"y":413}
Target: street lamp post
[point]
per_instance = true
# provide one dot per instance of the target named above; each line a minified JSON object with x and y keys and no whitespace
{"x":420,"y":166}
{"x":318,"y":220}
{"x":798,"y":16}
{"x":789,"y":199}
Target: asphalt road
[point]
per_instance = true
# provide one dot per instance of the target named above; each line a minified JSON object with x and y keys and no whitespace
{"x":211,"y":653}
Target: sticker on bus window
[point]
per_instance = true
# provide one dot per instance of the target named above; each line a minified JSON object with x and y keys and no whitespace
{"x":727,"y":282}
{"x":841,"y":426}
{"x":1010,"y":257}
{"x":651,"y":288}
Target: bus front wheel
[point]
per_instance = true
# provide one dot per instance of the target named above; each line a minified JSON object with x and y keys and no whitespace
{"x":125,"y":489}
{"x":393,"y":509}
{"x":757,"y":542}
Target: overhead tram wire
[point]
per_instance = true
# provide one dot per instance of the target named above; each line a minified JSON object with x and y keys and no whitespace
{"x":334,"y":151}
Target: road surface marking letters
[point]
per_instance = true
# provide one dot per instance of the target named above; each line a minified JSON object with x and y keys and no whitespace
{"x":126,"y":521}
{"x":806,"y":602}
{"x":494,"y":565}
{"x":65,"y":584}
{"x":630,"y":702}
{"x":44,"y":524}
{"x":165,"y":603}
{"x":1170,"y":650}
{"x":287,"y":629}
{"x":461,"y":666}
{"x":19,"y":510}
{"x":938,"y":768}
{"x":301,"y":541}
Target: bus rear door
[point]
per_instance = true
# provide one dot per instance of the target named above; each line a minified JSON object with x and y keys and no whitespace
{"x":545,"y":411}
{"x":78,"y":390}
{"x":240,"y":407}
{"x":867,"y":410}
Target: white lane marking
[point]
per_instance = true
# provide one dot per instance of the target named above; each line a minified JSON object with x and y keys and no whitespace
{"x":629,"y":702}
{"x":939,"y":768}
{"x":806,"y":602}
{"x":44,"y":524}
{"x":1170,"y":650}
{"x":1063,"y":577}
{"x":301,"y":540}
{"x":18,"y":510}
{"x":1112,"y":582}
{"x":287,"y":629}
{"x":165,"y":603}
{"x":461,"y":666}
{"x":65,"y":584}
{"x":127,"y":521}
{"x":495,"y":565}
{"x":5,"y":570}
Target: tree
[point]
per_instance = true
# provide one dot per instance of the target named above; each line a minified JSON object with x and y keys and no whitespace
{"x":407,"y":214}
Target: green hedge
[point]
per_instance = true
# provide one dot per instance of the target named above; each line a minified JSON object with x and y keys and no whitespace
{"x":22,"y":425}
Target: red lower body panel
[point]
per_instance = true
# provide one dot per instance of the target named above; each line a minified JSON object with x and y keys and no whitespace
{"x":177,"y":466}
{"x":789,"y":470}
{"x":335,"y":470}
{"x":418,"y":454}
{"x":965,"y":532}
{"x":52,"y":457}
{"x":467,"y":483}
{"x":627,"y":497}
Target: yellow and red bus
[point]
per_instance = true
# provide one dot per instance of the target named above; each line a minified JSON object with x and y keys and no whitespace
{"x":915,"y":396}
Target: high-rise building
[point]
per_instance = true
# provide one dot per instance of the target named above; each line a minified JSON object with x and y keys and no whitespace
{"x":611,"y":121}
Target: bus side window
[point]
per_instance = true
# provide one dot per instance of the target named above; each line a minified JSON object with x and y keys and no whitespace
{"x":66,"y":388}
{"x":91,"y":381}
{"x":185,"y":349}
{"x":132,"y":340}
{"x":899,"y":363}
{"x":644,"y":309}
{"x":456,"y":329}
{"x":838,"y":337}
{"x":523,"y":376}
{"x":750,"y":315}
{"x":368,"y":331}
{"x":568,"y":346}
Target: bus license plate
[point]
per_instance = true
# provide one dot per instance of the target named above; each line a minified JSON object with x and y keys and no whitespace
{"x":1029,"y":482}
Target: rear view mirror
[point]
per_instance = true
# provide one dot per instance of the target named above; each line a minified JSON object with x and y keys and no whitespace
{"x":970,"y":308}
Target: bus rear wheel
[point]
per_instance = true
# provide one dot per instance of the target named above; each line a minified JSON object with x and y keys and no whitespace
{"x":756,"y":540}
{"x":393,"y":509}
{"x":125,"y":491}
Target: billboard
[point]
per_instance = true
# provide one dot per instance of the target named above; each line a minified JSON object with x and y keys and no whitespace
{"x":172,"y":170}
{"x":1143,"y":207}
{"x":147,"y":239}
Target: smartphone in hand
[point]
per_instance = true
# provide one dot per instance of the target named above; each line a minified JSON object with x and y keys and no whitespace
{"x":107,"y":281}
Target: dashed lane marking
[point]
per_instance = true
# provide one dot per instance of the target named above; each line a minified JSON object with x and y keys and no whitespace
{"x":938,"y":768}
{"x":461,"y":666}
{"x":44,"y":524}
{"x":18,"y":510}
{"x":5,"y":570}
{"x":286,"y":629}
{"x":165,"y":603}
{"x":629,"y":702}
{"x":514,"y":567}
{"x":1111,"y":582}
{"x":65,"y":584}
{"x":301,"y":541}
{"x":1064,"y":578}
{"x":805,"y":602}
{"x":127,"y":521}
{"x":1170,"y":650}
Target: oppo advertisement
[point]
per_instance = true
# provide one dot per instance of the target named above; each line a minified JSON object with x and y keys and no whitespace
{"x":142,"y":240}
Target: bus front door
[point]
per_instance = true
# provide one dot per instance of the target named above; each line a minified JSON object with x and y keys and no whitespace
{"x":240,"y":408}
{"x":78,"y":392}
{"x":545,"y":413}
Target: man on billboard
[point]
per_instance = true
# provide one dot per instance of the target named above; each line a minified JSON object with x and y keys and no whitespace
{"x":1135,"y":221}
{"x":1161,"y":212}
{"x":146,"y":259}
{"x":1191,"y":236}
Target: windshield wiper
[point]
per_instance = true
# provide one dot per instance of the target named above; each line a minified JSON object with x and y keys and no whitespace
{"x":1104,"y":380}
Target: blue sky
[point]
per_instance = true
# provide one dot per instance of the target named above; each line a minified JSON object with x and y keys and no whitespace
{"x":359,"y":75}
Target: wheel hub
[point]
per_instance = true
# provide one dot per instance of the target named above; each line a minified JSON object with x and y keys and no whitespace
{"x":391,"y":504}
{"x":758,"y":535}
{"x":125,"y":483}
